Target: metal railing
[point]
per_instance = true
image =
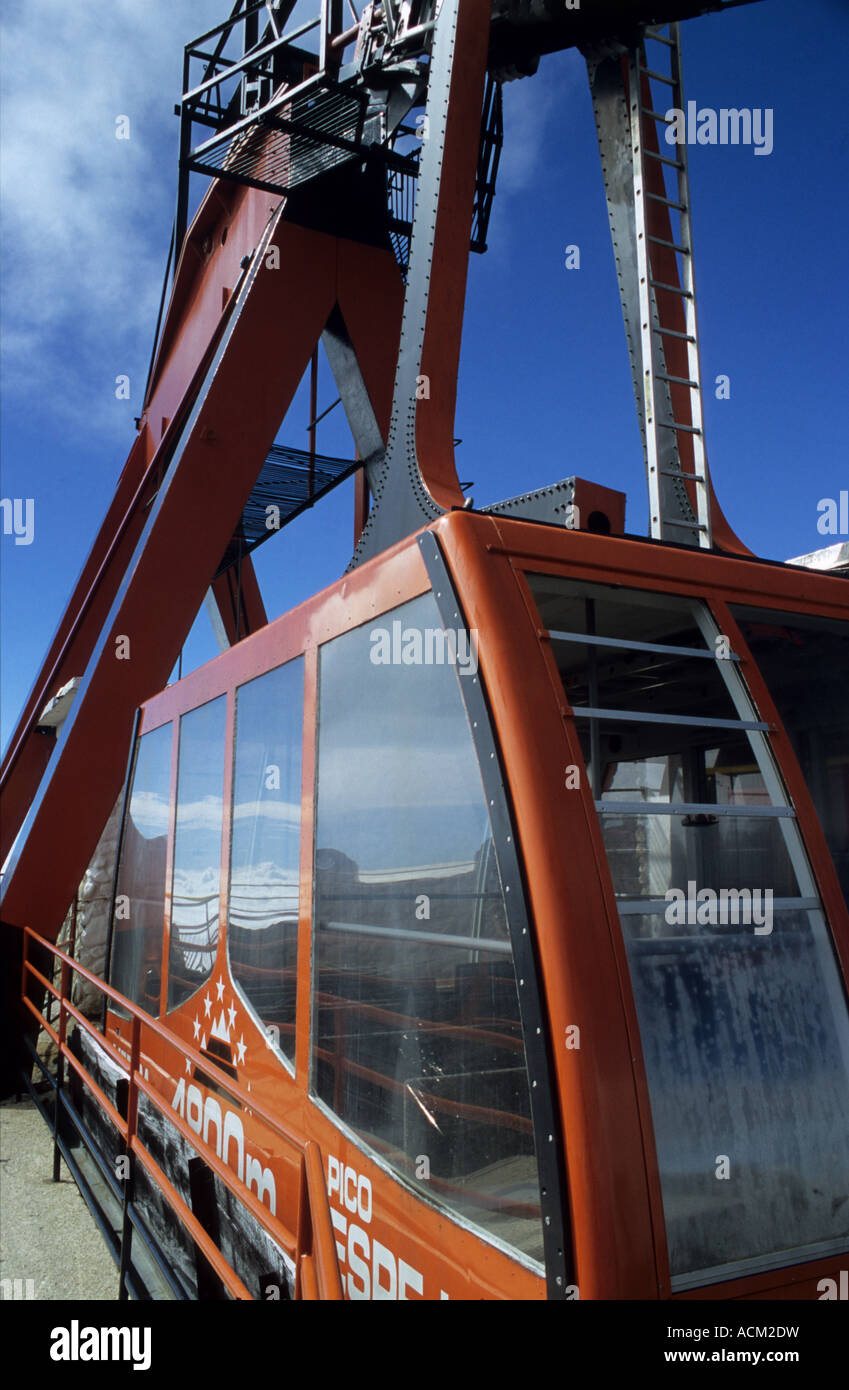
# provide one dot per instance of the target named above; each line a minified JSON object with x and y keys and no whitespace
{"x":308,"y":1241}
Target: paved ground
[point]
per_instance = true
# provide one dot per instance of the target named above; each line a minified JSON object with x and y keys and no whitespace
{"x":46,"y":1232}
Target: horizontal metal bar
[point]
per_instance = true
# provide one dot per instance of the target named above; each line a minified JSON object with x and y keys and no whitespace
{"x":632,"y":716}
{"x":664,"y":159}
{"x":668,"y":202}
{"x":670,"y":245}
{"x":429,"y":938}
{"x":418,"y":31}
{"x":629,"y":644}
{"x":342,"y":40}
{"x":676,"y":425}
{"x":690,"y":477}
{"x":659,"y":76}
{"x":685,"y":525}
{"x":195,"y":1231}
{"x":671,"y":289}
{"x":253,"y":59}
{"x":154,"y":1026}
{"x":678,"y":380}
{"x":316,"y":80}
{"x":691,"y":808}
{"x":231,"y":22}
{"x":658,"y":38}
{"x":656,"y":115}
{"x":672,"y":333}
{"x":198,"y":167}
{"x":633,"y":907}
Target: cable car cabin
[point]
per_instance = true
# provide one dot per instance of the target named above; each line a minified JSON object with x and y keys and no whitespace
{"x":512,"y":870}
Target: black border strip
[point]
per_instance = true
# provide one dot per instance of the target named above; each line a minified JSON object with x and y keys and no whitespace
{"x":557,"y":1235}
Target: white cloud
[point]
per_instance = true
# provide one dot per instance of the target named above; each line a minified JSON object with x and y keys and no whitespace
{"x":530,"y":108}
{"x":87,"y":216}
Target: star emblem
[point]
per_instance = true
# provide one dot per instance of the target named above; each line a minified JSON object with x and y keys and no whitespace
{"x":231,"y":1014}
{"x":220,"y":987}
{"x":240,"y":1050}
{"x":207,"y":1005}
{"x":188,"y":1067}
{"x":196,"y":1026}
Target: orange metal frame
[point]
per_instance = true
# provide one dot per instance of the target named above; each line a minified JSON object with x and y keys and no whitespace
{"x":601,"y":1094}
{"x":309,"y":1242}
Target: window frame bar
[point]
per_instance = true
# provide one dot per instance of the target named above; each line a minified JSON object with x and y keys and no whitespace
{"x":628,"y":644}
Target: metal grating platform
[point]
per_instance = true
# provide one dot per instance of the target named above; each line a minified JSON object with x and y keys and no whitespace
{"x":290,"y":480}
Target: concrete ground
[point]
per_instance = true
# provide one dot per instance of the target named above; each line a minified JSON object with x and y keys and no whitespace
{"x":47,"y":1234}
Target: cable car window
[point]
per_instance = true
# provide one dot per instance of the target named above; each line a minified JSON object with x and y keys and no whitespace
{"x":788,"y":647}
{"x":138,"y":920}
{"x":741,"y":1009}
{"x":197,"y":850}
{"x":262,"y":926}
{"x":418,"y":1045}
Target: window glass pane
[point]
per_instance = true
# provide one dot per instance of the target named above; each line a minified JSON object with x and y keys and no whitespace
{"x":610,"y":610}
{"x":418,"y":1042}
{"x":262,"y":929}
{"x":197,"y":850}
{"x":788,"y":649}
{"x":742,"y":1013}
{"x":137,"y":929}
{"x":747,"y":1053}
{"x":650,"y":854}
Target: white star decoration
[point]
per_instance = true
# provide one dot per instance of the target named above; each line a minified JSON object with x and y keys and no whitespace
{"x":223,"y":1026}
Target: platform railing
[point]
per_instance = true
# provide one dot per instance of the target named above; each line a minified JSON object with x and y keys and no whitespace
{"x":309,"y":1242}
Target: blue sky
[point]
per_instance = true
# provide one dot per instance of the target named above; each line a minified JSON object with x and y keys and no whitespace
{"x":545,"y":388}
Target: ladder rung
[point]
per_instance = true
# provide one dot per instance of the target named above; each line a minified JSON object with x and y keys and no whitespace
{"x":674,"y":425}
{"x":686,"y":525}
{"x":658,"y":38}
{"x":678,"y":380}
{"x":659,"y":76}
{"x":679,"y":473}
{"x":670,"y":245}
{"x":669,"y":202}
{"x":672,"y":289}
{"x":673,"y":333}
{"x":656,"y":115}
{"x":673,"y":163}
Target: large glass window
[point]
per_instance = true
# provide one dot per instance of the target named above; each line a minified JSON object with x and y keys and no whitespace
{"x":138,"y":923}
{"x":197,"y":850}
{"x":262,"y":930}
{"x":417,"y":1040}
{"x":805,"y":663}
{"x":741,"y":1008}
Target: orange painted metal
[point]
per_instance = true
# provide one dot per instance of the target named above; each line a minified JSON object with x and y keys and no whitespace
{"x":600,"y":1094}
{"x":447,"y":291}
{"x":309,"y":1244}
{"x":168,"y":576}
{"x":239,"y":600}
{"x":598,"y":1104}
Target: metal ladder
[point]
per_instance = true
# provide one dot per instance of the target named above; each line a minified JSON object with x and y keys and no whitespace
{"x":671,"y":400}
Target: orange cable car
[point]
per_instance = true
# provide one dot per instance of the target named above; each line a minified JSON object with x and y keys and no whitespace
{"x":546,"y":957}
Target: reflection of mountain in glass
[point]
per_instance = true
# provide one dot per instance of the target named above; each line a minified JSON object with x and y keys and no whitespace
{"x":262,"y":941}
{"x":194,"y":915}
